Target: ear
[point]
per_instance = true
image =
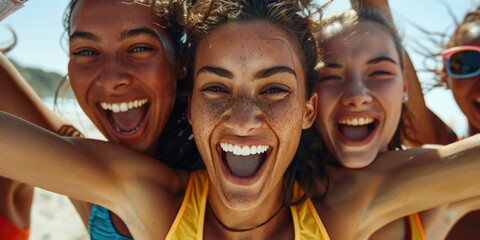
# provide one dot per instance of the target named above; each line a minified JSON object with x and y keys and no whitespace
{"x":189,"y":112}
{"x":310,"y":111}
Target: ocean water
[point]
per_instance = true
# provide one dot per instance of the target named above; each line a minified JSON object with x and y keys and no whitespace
{"x":69,"y":109}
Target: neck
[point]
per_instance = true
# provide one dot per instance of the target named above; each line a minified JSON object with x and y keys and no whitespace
{"x":268,"y":218}
{"x":276,"y":226}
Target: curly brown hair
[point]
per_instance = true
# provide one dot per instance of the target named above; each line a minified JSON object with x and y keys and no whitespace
{"x":292,"y":16}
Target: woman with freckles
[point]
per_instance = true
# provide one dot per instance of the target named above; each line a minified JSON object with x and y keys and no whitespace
{"x":248,"y":107}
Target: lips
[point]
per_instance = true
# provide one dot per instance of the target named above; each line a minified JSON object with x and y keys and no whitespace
{"x":126,"y":117}
{"x":243,"y":161}
{"x":357,"y":129}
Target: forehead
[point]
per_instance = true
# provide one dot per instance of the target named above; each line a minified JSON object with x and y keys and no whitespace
{"x":111,"y":13}
{"x":247,"y":44}
{"x":359,"y":38}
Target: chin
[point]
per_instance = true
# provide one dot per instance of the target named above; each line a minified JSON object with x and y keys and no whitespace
{"x":241,"y":200}
{"x":356,"y":160}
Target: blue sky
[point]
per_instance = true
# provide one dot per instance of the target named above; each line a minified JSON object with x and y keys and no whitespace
{"x":39,"y":27}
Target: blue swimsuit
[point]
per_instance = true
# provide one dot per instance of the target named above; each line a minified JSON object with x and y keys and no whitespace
{"x":100,"y":225}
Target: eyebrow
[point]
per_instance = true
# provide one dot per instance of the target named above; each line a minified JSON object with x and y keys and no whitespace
{"x":372,"y":61}
{"x":381,"y":59}
{"x":264,"y":73}
{"x":138,"y":32}
{"x":84,"y":35}
{"x":123,"y":35}
{"x":217,"y":71}
{"x":332,"y":65}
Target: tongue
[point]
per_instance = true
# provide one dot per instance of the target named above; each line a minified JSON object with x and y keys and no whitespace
{"x":354,"y":133}
{"x":129,"y":120}
{"x":243,"y":166}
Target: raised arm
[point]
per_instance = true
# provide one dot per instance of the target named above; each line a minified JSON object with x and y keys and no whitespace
{"x":425,"y":126}
{"x":19,"y":99}
{"x":412,"y":181}
{"x":127,"y":182}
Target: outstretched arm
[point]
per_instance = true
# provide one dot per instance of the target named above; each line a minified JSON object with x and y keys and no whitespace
{"x":425,"y":127}
{"x":412,"y":181}
{"x":19,"y":99}
{"x":127,"y":182}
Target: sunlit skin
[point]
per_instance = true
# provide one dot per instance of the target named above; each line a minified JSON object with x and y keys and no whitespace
{"x":360,"y":77}
{"x":147,"y":194}
{"x":118,"y":55}
{"x":467,"y":90}
{"x":249,"y":93}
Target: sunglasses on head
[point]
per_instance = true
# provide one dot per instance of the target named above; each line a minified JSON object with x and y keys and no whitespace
{"x":462,"y":61}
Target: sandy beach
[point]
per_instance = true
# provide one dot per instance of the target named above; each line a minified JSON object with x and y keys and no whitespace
{"x":55,"y":218}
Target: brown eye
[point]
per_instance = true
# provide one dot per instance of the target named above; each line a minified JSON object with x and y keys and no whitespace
{"x":85,"y":52}
{"x":214,"y":89}
{"x":329,"y":78}
{"x":140,"y":49}
{"x":275,"y":90}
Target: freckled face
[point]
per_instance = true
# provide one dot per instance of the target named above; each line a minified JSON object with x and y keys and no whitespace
{"x":360,"y":91}
{"x":467,"y":90}
{"x":121,"y":70}
{"x":249,"y":92}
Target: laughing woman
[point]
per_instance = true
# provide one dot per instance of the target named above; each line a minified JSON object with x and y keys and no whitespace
{"x":252,"y":72}
{"x":362,"y":93}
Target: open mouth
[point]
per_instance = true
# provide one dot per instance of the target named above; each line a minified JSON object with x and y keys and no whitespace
{"x":126,"y":117}
{"x":357,"y":129}
{"x":243,"y":161}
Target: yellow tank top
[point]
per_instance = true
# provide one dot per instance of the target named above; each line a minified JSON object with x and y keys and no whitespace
{"x":189,"y":222}
{"x":415,"y":227}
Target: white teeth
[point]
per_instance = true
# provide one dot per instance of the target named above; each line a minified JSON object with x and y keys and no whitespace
{"x":356,"y":121}
{"x":123,"y":106}
{"x":243,"y":150}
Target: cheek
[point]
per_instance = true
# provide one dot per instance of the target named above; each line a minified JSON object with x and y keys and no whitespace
{"x":325,"y":106}
{"x":460,"y":87}
{"x":284,"y":116}
{"x":79,"y":85}
{"x":205,"y":115}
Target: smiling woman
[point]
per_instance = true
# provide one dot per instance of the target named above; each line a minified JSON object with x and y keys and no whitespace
{"x":245,"y":94}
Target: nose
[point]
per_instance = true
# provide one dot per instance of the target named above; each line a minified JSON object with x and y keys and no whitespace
{"x":113,"y":76}
{"x":244,"y":116}
{"x":356,"y":94}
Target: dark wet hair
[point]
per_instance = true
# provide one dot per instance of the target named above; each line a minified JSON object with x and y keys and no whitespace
{"x":326,"y":29}
{"x":294,"y":17}
{"x":175,"y":145}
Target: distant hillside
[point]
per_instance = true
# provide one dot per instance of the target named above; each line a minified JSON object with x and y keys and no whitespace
{"x":44,"y":83}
